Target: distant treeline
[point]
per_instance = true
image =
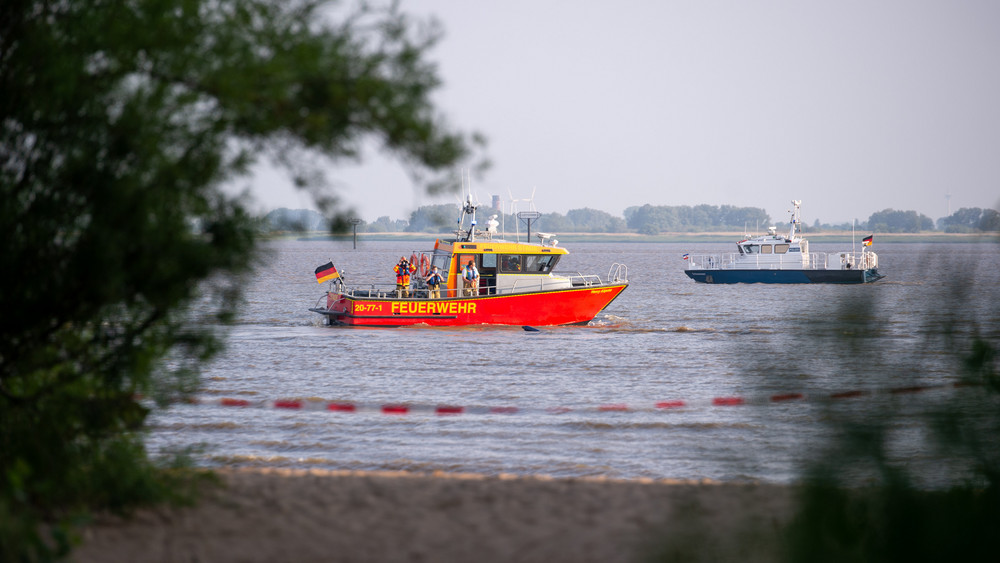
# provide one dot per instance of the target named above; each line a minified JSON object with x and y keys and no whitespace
{"x":646,"y":219}
{"x":655,"y":219}
{"x":971,"y":220}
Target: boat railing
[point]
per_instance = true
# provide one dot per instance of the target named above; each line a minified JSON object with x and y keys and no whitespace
{"x":812,"y":261}
{"x":711,"y":261}
{"x":585,"y":280}
{"x":852,"y":260}
{"x":617,"y":273}
{"x":388,"y":291}
{"x":734,"y":261}
{"x":369,"y":290}
{"x":869,"y":260}
{"x":419,"y":290}
{"x":525,"y":285}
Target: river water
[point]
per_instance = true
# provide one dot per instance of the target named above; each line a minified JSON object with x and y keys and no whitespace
{"x":585,"y":398}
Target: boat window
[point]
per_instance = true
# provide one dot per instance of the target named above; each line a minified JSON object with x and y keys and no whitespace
{"x":752,"y":249}
{"x":540,"y":263}
{"x":441,"y":261}
{"x":489,"y":261}
{"x":780,"y":248}
{"x":765,"y":248}
{"x":510,"y":263}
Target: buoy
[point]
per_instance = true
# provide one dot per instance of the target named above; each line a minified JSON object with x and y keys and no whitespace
{"x":727,"y":401}
{"x":226,"y":402}
{"x":671,"y":404}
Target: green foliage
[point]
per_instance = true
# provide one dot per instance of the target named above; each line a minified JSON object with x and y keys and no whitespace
{"x":588,"y":220}
{"x":434,"y":218}
{"x":892,"y":221}
{"x":860,"y":501}
{"x":553,"y":223}
{"x":896,"y":523}
{"x":295,"y":220}
{"x":584,"y":220}
{"x":650,"y":219}
{"x":119,"y":121}
{"x":817,"y":226}
{"x":384,"y":225}
{"x":893,"y":476}
{"x":442,"y":218}
{"x":990,"y":221}
{"x":971,"y":220}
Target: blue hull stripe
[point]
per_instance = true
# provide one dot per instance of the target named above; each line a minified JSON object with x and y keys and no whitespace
{"x":781,"y":276}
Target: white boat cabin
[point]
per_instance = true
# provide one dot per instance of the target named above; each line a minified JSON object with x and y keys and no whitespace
{"x":777,"y":252}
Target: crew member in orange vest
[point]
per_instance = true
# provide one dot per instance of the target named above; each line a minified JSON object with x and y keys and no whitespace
{"x":403,"y":270}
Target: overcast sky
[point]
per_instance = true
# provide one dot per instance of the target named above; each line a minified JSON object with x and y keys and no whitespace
{"x":850,"y":106}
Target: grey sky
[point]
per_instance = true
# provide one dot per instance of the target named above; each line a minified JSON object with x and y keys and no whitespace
{"x":850,"y":106}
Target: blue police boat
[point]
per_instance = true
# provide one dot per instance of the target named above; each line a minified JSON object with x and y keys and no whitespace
{"x":774,"y":258}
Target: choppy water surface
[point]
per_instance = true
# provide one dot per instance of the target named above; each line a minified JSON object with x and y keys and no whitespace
{"x":665,"y":339}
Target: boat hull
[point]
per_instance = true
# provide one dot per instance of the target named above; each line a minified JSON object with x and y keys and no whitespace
{"x":543,"y":308}
{"x":784,"y":276}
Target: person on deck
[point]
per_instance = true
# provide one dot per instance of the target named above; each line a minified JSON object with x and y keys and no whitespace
{"x":434,"y":280}
{"x":471,"y":277}
{"x":403,"y":270}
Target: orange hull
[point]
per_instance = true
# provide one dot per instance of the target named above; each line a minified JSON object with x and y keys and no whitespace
{"x":544,"y":308}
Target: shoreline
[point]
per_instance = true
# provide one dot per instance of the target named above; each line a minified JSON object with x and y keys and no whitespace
{"x":727,"y":237}
{"x":320,"y":515}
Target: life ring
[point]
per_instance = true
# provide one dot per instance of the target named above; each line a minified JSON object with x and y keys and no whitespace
{"x":425,"y":265}
{"x":414,"y":260}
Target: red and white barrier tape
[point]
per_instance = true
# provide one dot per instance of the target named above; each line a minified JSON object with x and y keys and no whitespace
{"x":445,"y":410}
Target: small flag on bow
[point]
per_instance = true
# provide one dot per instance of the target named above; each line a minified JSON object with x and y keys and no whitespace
{"x":867,"y":241}
{"x":326,"y":272}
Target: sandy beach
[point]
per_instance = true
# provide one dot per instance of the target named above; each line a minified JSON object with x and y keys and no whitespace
{"x":303,"y":516}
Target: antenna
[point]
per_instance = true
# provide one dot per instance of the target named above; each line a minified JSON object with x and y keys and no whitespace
{"x":527,"y":216}
{"x":468,"y":208}
{"x":514,"y":211}
{"x":504,"y":212}
{"x":796,"y":203}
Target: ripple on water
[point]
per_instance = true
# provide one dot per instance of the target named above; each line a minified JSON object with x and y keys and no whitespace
{"x":663,"y":341}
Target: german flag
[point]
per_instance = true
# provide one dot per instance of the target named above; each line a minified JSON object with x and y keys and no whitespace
{"x":326,"y":272}
{"x":867,"y":241}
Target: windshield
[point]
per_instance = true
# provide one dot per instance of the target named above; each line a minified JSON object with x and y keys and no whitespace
{"x":540,"y":263}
